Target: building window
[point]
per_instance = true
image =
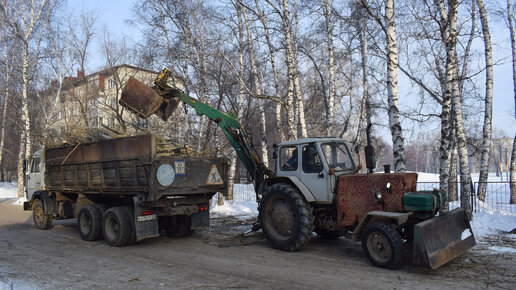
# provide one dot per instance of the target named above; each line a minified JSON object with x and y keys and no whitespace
{"x":111,"y":83}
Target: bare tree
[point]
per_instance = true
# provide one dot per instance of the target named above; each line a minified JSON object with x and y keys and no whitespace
{"x":257,"y":88}
{"x":510,"y":20}
{"x":389,"y":28}
{"x":28,"y":20}
{"x":488,"y":107}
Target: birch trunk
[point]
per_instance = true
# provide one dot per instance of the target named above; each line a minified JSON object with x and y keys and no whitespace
{"x":279,"y":126}
{"x":392,"y":89}
{"x":488,"y":104}
{"x":513,"y":172}
{"x":513,"y":154}
{"x":7,"y":97}
{"x":21,"y":159}
{"x":297,"y":84}
{"x":240,"y":105}
{"x":465,"y":176}
{"x":330,"y":104}
{"x":444,"y":148}
{"x":453,"y":189}
{"x":365,"y":115}
{"x":293,"y":78}
{"x":257,"y":89}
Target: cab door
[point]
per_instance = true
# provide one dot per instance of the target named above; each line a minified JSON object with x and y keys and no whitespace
{"x":313,"y":174}
{"x":34,"y":177}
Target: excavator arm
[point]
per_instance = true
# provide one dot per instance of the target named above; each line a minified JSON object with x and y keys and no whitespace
{"x":162,"y":100}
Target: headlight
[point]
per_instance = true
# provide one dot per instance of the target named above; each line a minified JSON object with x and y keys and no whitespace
{"x":388,"y":186}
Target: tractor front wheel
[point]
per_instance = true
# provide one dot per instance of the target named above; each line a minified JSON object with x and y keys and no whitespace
{"x":382,"y":245}
{"x":285,"y":217}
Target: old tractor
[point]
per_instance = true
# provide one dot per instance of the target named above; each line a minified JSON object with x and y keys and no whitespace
{"x":316,"y":187}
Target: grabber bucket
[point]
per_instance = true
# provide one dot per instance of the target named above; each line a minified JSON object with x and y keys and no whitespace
{"x":443,"y":238}
{"x":145,"y":101}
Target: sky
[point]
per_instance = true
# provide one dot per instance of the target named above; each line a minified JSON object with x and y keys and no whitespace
{"x":114,"y":13}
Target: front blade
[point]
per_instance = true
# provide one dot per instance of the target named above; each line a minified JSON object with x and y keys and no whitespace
{"x":140,"y":99}
{"x":443,"y":238}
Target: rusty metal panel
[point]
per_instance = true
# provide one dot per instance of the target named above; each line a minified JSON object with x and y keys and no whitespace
{"x":355,"y":196}
{"x":443,"y":238}
{"x":140,"y":99}
{"x":192,"y":175}
{"x":135,"y":147}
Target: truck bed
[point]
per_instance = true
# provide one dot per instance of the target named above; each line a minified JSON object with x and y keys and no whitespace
{"x":129,"y":165}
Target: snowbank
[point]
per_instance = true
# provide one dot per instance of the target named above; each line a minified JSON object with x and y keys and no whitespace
{"x":10,"y":191}
{"x":244,"y":209}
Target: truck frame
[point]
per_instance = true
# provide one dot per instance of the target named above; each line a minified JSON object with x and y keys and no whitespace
{"x":123,"y":189}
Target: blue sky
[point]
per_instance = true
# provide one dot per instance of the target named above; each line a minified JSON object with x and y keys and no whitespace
{"x":114,"y":13}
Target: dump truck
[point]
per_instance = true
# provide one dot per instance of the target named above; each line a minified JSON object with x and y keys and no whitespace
{"x":123,"y":189}
{"x":316,"y":186}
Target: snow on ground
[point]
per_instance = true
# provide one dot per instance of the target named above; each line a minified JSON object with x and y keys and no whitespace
{"x":9,"y":190}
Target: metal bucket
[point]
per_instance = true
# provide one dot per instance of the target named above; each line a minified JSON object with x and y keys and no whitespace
{"x":443,"y":238}
{"x":145,"y":101}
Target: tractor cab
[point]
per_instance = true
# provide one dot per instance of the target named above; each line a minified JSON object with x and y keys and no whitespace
{"x":317,"y":162}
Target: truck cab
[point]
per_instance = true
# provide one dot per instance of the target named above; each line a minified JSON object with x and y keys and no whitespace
{"x":317,"y":162}
{"x":34,"y":174}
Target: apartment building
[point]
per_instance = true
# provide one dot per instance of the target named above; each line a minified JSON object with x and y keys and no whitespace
{"x":91,"y":101}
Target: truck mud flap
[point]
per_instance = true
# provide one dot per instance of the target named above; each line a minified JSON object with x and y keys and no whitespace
{"x":145,"y":226}
{"x":201,"y":219}
{"x":443,"y":238}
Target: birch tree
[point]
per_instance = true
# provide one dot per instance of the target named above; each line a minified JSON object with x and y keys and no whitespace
{"x":9,"y":44}
{"x":449,"y":27}
{"x":330,"y":103}
{"x":257,"y":88}
{"x":272,"y":56}
{"x":510,"y":20}
{"x":488,"y":103}
{"x":389,"y":28}
{"x":30,"y":17}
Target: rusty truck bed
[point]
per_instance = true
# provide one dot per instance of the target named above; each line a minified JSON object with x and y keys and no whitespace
{"x":128,"y":165}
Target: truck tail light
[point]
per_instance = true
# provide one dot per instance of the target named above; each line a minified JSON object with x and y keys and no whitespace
{"x":147,"y":212}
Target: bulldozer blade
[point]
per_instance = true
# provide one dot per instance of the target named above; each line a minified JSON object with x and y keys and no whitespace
{"x":443,"y":238}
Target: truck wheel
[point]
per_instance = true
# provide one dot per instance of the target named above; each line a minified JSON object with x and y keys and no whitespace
{"x":90,"y":222}
{"x":286,"y":217}
{"x":382,"y":245}
{"x":178,"y":226}
{"x":117,"y":226}
{"x":41,"y":220}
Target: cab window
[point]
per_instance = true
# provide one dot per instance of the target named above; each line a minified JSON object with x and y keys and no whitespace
{"x":311,"y":160}
{"x":35,"y":166}
{"x":337,"y":156}
{"x":288,"y":158}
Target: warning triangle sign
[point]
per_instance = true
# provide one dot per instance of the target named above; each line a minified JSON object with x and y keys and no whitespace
{"x":214,"y":176}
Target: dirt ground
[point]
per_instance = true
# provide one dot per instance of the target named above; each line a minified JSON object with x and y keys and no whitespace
{"x":218,"y":258}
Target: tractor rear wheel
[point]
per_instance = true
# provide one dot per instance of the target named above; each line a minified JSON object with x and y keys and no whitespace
{"x":382,"y":245}
{"x":285,"y":217}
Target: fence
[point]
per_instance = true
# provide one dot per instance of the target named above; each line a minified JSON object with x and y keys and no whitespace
{"x":498,"y":195}
{"x":242,"y":192}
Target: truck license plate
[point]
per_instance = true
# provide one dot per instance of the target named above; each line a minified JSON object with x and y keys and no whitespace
{"x":143,"y":218}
